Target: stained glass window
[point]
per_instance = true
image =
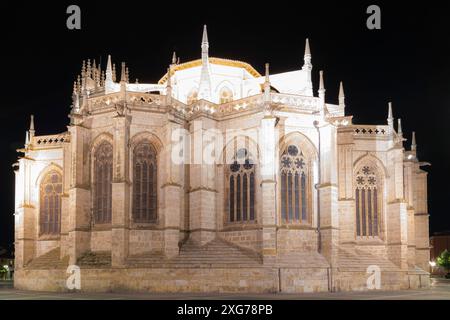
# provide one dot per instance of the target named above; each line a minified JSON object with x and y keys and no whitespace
{"x":241,"y":198}
{"x":366,"y":198}
{"x":144,"y":183}
{"x":50,"y":204}
{"x":295,"y":183}
{"x":103,"y":169}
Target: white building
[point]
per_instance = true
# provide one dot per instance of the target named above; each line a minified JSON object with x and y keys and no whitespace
{"x":296,"y":197}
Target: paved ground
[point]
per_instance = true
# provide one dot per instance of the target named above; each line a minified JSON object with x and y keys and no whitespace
{"x":439,"y":290}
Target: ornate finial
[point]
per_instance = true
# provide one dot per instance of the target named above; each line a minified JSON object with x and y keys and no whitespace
{"x":413,"y":142}
{"x":205,"y":36}
{"x":204,"y":88}
{"x":127,"y":74}
{"x":83,"y":69}
{"x":32,"y":125}
{"x":137,"y":81}
{"x":123,"y":75}
{"x":267,"y":73}
{"x":399,"y":129}
{"x":321,"y":86}
{"x":109,"y":70}
{"x":103,"y":79}
{"x":168,"y":87}
{"x":390,"y":119}
{"x":307,"y":57}
{"x":341,"y":95}
{"x":88,"y":69}
{"x":94,"y":66}
{"x":78,"y":84}
{"x":27,"y":139}
{"x":114,"y":73}
{"x":307,"y":49}
{"x":174,"y":58}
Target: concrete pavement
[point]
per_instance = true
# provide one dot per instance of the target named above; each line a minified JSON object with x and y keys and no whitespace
{"x":439,"y":290}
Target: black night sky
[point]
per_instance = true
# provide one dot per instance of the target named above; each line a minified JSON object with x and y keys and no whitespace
{"x":406,"y":62}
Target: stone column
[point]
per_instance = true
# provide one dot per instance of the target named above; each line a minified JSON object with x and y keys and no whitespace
{"x":65,"y":225}
{"x":120,"y":191}
{"x":172,"y":191}
{"x":409,"y":197}
{"x":202,"y":192}
{"x":396,"y":213}
{"x":347,"y":221}
{"x":25,"y":217}
{"x":421,"y":218}
{"x":79,"y":204}
{"x":328,"y":191}
{"x":268,"y":189}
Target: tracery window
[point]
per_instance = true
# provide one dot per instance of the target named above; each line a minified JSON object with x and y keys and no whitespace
{"x":225,"y":95}
{"x":103,"y":170}
{"x":368,"y":198}
{"x":295,"y":176}
{"x":144,"y":183}
{"x":241,"y":181}
{"x":50,"y":204}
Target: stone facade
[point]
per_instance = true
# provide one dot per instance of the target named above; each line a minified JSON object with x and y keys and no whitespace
{"x":297,"y":198}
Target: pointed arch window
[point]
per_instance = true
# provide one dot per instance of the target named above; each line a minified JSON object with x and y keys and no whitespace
{"x":367,"y":202}
{"x":50,"y":204}
{"x":103,"y":170}
{"x":225,"y":95}
{"x":241,"y":188}
{"x":144,"y":183}
{"x":295,"y":189}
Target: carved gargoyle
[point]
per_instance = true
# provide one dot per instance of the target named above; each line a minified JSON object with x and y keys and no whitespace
{"x":121,"y":108}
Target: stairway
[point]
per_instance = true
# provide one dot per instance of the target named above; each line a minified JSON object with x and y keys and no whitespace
{"x":215,"y":254}
{"x":359,"y":260}
{"x":100,"y":259}
{"x":49,"y":260}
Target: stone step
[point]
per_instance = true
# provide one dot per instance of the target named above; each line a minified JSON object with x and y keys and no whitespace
{"x":95,"y":259}
{"x":216,"y":253}
{"x":49,"y":260}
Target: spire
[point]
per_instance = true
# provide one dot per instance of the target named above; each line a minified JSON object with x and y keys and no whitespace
{"x":267,"y":91}
{"x":174,"y":58}
{"x":114,"y":73}
{"x":94,"y":70}
{"x":390,"y":119}
{"x":205,"y":36}
{"x":32,"y":126}
{"x":341,"y":95}
{"x":307,"y":57}
{"x":307,"y":68}
{"x":399,"y":130}
{"x":109,"y":71}
{"x":204,"y":90}
{"x":168,"y":87}
{"x":123,"y":75}
{"x":413,"y":142}
{"x":267,"y":84}
{"x":27,"y":139}
{"x":321,"y":87}
{"x":88,"y":69}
